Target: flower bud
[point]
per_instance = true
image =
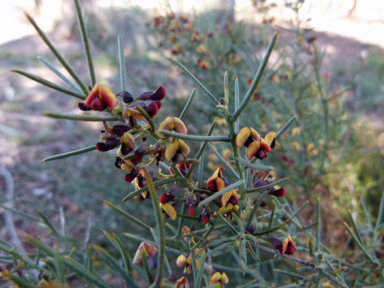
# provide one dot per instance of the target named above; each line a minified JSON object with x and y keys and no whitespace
{"x":126,"y":96}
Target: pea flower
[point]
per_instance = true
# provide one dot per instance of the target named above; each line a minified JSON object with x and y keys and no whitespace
{"x":226,"y":210}
{"x":182,"y":283}
{"x":277,"y":191}
{"x":173,"y":124}
{"x":109,"y":135}
{"x":217,"y":181}
{"x":168,"y":196}
{"x":263,"y":178}
{"x":169,"y":210}
{"x":100,"y":98}
{"x":186,"y":262}
{"x":205,"y":215}
{"x":177,"y":151}
{"x":218,"y":280}
{"x":191,"y":203}
{"x":256,"y":145}
{"x":148,"y":250}
{"x":287,"y":246}
{"x":127,"y":144}
{"x":230,"y":197}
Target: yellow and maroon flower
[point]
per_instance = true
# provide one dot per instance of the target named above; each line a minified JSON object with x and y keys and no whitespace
{"x":230,"y":197}
{"x":109,"y":135}
{"x":256,"y":145}
{"x":148,"y":250}
{"x":168,"y":196}
{"x":277,"y":191}
{"x":100,"y":98}
{"x":182,"y":283}
{"x":183,"y":167}
{"x":202,"y":64}
{"x":217,"y":181}
{"x":218,"y":280}
{"x":191,"y":204}
{"x":186,"y":262}
{"x":262,"y":178}
{"x":226,"y":210}
{"x":177,"y":151}
{"x":127,"y":144}
{"x":173,"y":124}
{"x":205,"y":215}
{"x":158,"y":95}
{"x":287,"y":246}
{"x":131,"y":115}
{"x":169,"y":210}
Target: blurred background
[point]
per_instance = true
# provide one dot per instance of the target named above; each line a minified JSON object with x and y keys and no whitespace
{"x":328,"y":67}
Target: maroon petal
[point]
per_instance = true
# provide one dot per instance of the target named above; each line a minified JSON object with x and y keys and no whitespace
{"x":159,"y":94}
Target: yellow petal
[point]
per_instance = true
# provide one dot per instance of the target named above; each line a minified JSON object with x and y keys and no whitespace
{"x":242,"y":136}
{"x":269,"y":137}
{"x":92,"y":95}
{"x":167,"y":124}
{"x":215,"y":278}
{"x":150,"y":249}
{"x":179,"y":126}
{"x":225,"y":210}
{"x":252,"y":149}
{"x":184,"y":147}
{"x":264,"y":144}
{"x":255,"y":135}
{"x":225,"y":198}
{"x":224,"y":278}
{"x":220,"y":185}
{"x":168,"y":208}
{"x":128,"y":139}
{"x":171,"y":150}
{"x":181,"y":261}
{"x":107,"y":96}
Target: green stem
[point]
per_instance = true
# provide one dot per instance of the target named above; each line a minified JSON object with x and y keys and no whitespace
{"x":82,"y":117}
{"x":195,"y":137}
{"x":70,"y":154}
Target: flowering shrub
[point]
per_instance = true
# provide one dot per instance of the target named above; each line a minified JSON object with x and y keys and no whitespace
{"x":247,"y":219}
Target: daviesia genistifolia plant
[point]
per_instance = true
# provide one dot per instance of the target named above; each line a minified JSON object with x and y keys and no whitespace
{"x":234,"y":239}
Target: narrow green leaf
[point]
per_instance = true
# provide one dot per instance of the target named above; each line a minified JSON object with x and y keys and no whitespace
{"x":380,"y":214}
{"x":255,"y":208}
{"x":61,"y":75}
{"x":46,"y":222}
{"x":220,"y":193}
{"x":87,"y":49}
{"x":195,"y":137}
{"x":237,"y":103}
{"x":226,"y":91}
{"x":115,"y":266}
{"x":160,"y":228}
{"x":218,"y":249}
{"x":19,"y":281}
{"x":80,"y":270}
{"x":123,"y":74}
{"x":369,"y":257}
{"x":354,"y":226}
{"x":318,"y":218}
{"x":148,"y":118}
{"x":70,"y":154}
{"x":50,"y":84}
{"x":127,"y":215}
{"x":197,"y":82}
{"x":201,"y":271}
{"x":256,"y":79}
{"x":59,"y":265}
{"x":157,"y":184}
{"x":82,"y":117}
{"x":181,"y":222}
{"x":251,"y":190}
{"x":227,"y":223}
{"x":58,"y":56}
{"x":286,"y":126}
{"x":146,"y":266}
{"x":201,"y":171}
{"x":117,"y":244}
{"x":186,"y":107}
{"x":254,"y":166}
{"x":21,"y":213}
{"x":276,"y":228}
{"x":223,"y":161}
